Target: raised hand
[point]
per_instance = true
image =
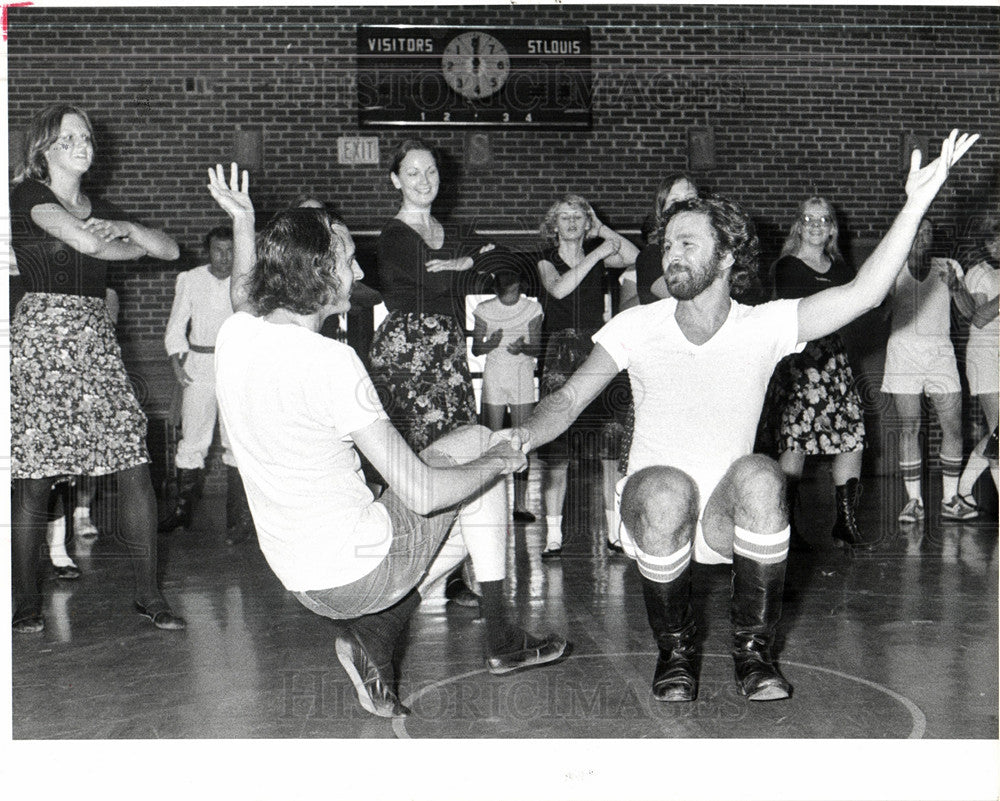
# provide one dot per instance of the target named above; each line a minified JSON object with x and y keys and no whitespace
{"x":493,"y":339}
{"x":923,"y":183}
{"x":234,"y":197}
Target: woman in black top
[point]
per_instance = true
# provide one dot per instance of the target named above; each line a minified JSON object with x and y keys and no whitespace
{"x":418,"y":354}
{"x":814,"y":393}
{"x":73,"y":409}
{"x":572,"y":272}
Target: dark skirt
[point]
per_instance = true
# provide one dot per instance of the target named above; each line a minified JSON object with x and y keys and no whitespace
{"x":812,"y":405}
{"x":420,"y":368}
{"x":600,"y":428}
{"x":73,"y":409}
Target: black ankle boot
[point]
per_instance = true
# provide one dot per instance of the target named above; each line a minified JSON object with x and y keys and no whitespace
{"x":239,"y":522}
{"x":756,"y":608}
{"x":845,"y":530}
{"x":796,"y":542}
{"x":668,"y":608}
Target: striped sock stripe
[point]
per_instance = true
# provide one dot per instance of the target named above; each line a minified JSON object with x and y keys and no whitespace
{"x":910,"y":470}
{"x":663,"y":569}
{"x":951,"y":466}
{"x":767,"y":549}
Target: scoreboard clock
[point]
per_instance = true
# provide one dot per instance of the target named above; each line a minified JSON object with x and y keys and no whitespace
{"x":444,"y":76}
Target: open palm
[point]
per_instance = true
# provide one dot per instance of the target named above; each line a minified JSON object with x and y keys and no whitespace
{"x":234,"y":197}
{"x":923,"y":183}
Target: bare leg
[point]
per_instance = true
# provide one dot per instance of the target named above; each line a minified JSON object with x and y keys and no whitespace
{"x":554,"y":494}
{"x":977,"y":462}
{"x":519,"y":414}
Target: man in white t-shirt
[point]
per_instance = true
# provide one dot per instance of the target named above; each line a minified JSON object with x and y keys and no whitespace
{"x":299,"y":407}
{"x":699,"y":363}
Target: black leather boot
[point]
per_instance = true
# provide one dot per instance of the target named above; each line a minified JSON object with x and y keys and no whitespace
{"x":796,"y":541}
{"x":189,"y":483}
{"x":239,"y":522}
{"x":756,"y":608}
{"x":845,"y":530}
{"x":668,"y":607}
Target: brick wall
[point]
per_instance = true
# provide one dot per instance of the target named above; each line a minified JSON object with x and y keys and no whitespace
{"x":802,"y":100}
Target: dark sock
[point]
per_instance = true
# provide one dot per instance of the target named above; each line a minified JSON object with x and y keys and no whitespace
{"x":501,"y":636}
{"x":379,"y":632}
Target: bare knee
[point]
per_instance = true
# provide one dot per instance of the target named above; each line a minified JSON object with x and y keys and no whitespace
{"x":461,"y":445}
{"x":659,"y":509}
{"x":759,"y":487}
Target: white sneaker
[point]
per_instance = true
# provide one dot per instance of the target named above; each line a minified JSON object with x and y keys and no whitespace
{"x":958,"y":508}
{"x":913,"y":511}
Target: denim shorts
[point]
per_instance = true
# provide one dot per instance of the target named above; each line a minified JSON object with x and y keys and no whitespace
{"x":416,"y":540}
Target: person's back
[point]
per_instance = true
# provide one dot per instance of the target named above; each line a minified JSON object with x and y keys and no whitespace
{"x":289,"y":398}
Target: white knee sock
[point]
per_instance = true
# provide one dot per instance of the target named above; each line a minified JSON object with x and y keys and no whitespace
{"x":764,"y":548}
{"x":553,"y":531}
{"x":56,"y":536}
{"x":663,"y":569}
{"x":82,"y":524}
{"x":612,"y":518}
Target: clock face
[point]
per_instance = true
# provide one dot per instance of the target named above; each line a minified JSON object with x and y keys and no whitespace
{"x":475,"y":65}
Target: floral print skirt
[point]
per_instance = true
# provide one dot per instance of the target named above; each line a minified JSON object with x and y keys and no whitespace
{"x":421,"y":371}
{"x":812,"y":403}
{"x":73,"y":409}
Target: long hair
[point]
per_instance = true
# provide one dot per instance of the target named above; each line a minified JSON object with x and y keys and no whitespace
{"x":296,"y":263}
{"x":42,"y":133}
{"x":735,"y":233}
{"x":794,"y":239}
{"x":662,"y":193}
{"x":547,"y":229}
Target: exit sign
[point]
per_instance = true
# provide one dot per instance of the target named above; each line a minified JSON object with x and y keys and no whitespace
{"x":357,"y":150}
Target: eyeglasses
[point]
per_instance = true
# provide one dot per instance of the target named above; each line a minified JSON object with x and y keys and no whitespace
{"x":69,"y":141}
{"x":813,"y":219}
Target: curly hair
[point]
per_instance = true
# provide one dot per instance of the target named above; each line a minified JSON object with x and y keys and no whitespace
{"x":42,"y":133}
{"x":794,"y":239}
{"x":297,"y":255}
{"x":547,"y":229}
{"x":735,"y":233}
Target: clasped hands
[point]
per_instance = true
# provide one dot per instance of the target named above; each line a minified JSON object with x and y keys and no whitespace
{"x":456,"y":265}
{"x":107,"y":230}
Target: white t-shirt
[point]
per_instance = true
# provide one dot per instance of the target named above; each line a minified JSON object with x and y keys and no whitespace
{"x":982,"y":279}
{"x":513,"y":320}
{"x":922,"y":309}
{"x":697,"y":406}
{"x":289,"y":399}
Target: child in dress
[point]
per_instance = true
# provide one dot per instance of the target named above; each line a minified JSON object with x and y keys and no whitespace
{"x":508,"y":332}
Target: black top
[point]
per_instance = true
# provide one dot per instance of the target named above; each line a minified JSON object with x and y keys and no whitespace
{"x":46,"y":263}
{"x":793,"y":278}
{"x":403,"y":278}
{"x":583,"y":308}
{"x":648,"y":267}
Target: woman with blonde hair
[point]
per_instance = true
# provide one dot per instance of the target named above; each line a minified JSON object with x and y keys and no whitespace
{"x":819,"y":409}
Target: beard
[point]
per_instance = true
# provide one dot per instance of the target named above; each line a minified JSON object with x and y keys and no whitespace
{"x":687,"y":282}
